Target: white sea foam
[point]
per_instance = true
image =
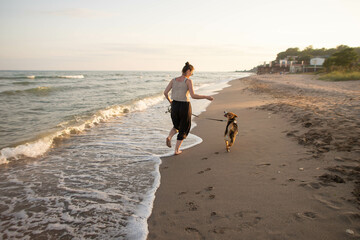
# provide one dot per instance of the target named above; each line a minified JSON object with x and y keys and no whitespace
{"x":53,"y":76}
{"x":137,"y":227}
{"x":32,"y":150}
{"x":3,"y":160}
{"x":72,"y":76}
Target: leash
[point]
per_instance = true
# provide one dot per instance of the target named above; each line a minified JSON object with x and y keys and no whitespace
{"x":213,"y":119}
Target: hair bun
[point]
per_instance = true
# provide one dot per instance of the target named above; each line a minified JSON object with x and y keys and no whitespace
{"x":187,"y":66}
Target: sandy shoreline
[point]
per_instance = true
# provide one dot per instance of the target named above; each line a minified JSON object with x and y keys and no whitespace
{"x":293,"y":172}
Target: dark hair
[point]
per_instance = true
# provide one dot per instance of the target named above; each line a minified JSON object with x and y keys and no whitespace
{"x":187,"y":66}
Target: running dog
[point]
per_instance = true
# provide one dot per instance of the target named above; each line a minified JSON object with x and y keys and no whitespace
{"x":231,"y":130}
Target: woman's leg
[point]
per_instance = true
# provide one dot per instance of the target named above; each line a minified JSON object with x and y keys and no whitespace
{"x":172,"y":132}
{"x":185,"y":125}
{"x":177,"y":147}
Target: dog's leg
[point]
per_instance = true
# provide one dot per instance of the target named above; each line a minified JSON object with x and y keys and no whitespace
{"x":232,"y":141}
{"x":227,"y":146}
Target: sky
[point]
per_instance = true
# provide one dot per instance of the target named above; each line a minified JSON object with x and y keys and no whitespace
{"x":161,"y":35}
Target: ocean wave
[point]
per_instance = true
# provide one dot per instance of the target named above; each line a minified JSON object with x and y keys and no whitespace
{"x":13,"y":77}
{"x":40,"y":146}
{"x":24,"y":83}
{"x":80,"y":76}
{"x":72,"y":76}
{"x":37,"y":91}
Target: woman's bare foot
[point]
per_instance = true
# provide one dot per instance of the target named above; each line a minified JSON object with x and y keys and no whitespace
{"x":178,"y":152}
{"x":168,"y":142}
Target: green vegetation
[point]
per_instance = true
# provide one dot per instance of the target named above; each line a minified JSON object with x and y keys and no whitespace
{"x":342,"y":63}
{"x":341,"y":76}
{"x":310,"y":52}
{"x":346,"y":59}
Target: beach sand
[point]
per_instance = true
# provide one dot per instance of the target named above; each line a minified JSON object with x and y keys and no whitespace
{"x":293,"y":172}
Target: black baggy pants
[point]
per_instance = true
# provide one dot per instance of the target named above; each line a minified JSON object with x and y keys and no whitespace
{"x":181,"y":118}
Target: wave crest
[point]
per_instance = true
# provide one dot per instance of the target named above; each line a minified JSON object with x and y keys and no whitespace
{"x":72,"y":76}
{"x":80,"y":76}
{"x":37,"y":91}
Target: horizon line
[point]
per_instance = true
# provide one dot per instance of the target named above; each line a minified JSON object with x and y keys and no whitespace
{"x":28,"y":70}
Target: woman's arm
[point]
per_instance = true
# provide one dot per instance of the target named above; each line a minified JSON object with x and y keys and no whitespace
{"x":167,"y":90}
{"x":192,"y":93}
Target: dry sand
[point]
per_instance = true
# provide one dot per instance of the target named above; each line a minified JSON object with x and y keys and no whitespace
{"x":293,"y":172}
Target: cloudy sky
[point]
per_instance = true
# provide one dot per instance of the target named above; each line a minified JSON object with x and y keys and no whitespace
{"x":162,"y":35}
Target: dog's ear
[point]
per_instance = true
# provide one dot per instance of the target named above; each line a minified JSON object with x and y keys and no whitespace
{"x":235,"y":116}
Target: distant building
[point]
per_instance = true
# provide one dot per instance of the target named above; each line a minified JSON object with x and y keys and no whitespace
{"x":283,"y":63}
{"x":296,"y":68}
{"x":318,"y":61}
{"x":291,"y":58}
{"x":290,"y":64}
{"x":272,"y":67}
{"x":315,"y":64}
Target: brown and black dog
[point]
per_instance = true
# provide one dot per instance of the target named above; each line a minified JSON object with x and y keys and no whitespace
{"x":231,"y":130}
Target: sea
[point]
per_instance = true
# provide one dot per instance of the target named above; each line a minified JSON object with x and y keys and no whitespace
{"x":80,"y":150}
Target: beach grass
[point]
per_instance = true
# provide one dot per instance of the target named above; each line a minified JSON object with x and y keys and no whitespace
{"x":341,"y":76}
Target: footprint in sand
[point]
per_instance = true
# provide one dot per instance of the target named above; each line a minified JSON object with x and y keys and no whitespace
{"x":310,"y":214}
{"x":248,"y":218}
{"x":193,"y":230}
{"x":192,"y":206}
{"x":247,"y":212}
{"x":205,"y":158}
{"x":214,"y":217}
{"x":219,"y":230}
{"x":201,"y":172}
{"x":209,"y":189}
{"x":305,"y":215}
{"x":263,"y":164}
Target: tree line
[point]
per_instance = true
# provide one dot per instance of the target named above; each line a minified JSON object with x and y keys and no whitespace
{"x":337,"y":59}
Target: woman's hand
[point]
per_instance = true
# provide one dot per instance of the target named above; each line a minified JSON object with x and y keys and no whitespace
{"x":210,"y":98}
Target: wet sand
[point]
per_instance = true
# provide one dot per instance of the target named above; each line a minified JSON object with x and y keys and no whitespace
{"x":293,"y":172}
